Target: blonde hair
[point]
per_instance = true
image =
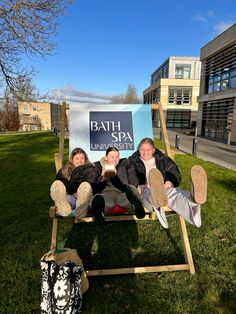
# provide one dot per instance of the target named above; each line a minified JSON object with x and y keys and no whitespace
{"x":69,"y":167}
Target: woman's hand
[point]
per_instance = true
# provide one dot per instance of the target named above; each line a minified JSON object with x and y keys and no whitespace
{"x":75,"y":195}
{"x":168,"y":185}
{"x":106,"y":173}
{"x":141,"y":188}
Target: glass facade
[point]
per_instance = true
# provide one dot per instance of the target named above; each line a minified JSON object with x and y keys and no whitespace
{"x":153,"y":97}
{"x":220,"y":71}
{"x":217,"y":119}
{"x":162,"y":72}
{"x":178,"y":118}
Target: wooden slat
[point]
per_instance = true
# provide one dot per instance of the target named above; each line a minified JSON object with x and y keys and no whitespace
{"x":58,"y":161}
{"x":54,"y":234}
{"x":126,"y":217}
{"x":117,"y":218}
{"x":186,"y":245}
{"x":62,"y":135}
{"x":163,"y":128}
{"x":136,"y":270}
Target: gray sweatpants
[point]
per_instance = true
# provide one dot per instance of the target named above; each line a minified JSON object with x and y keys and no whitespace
{"x":180,"y":202}
{"x":113,"y":196}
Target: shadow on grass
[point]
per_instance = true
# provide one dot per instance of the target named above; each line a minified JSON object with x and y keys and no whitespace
{"x":107,"y":245}
{"x":228,"y":183}
{"x":119,"y":244}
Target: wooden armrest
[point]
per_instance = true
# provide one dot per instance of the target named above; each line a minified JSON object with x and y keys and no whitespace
{"x":52,"y":212}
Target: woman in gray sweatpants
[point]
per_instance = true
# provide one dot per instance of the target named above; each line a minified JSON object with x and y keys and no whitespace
{"x":157,"y":177}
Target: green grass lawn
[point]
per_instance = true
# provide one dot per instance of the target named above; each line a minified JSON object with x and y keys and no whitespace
{"x":27,"y":170}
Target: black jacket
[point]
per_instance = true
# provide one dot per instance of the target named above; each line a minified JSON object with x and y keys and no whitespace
{"x":84,"y":173}
{"x":137,"y":173}
{"x":120,"y":180}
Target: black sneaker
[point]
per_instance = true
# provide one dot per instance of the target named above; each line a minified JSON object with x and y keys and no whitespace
{"x":135,"y":199}
{"x":98,"y":207}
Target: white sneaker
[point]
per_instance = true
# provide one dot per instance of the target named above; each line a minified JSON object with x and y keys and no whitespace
{"x":161,"y":217}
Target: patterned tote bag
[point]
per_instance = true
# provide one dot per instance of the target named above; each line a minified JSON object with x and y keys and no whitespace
{"x":61,"y":291}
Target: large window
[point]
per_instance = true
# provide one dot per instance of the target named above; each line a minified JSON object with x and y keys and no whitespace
{"x":178,"y":118}
{"x":26,"y":118}
{"x":153,"y":97}
{"x":217,"y":118}
{"x":222,"y":81}
{"x":182,"y":71}
{"x":161,"y":72}
{"x":179,"y":95}
{"x":156,"y":95}
{"x":220,"y":71}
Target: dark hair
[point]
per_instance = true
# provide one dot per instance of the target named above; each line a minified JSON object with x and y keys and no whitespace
{"x":146,"y":140}
{"x":76,"y":151}
{"x":69,"y":167}
{"x":111,"y":149}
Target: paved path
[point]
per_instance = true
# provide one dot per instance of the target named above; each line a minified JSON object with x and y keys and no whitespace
{"x":218,"y":153}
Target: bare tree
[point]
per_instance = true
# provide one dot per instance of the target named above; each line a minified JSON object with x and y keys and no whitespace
{"x":118,"y":99}
{"x":131,"y":95}
{"x":25,"y":92}
{"x":10,"y":116}
{"x":129,"y":98}
{"x":27,"y":27}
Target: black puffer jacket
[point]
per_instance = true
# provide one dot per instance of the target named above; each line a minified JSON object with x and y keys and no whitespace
{"x":137,"y":174}
{"x":119,"y":181}
{"x":84,"y":173}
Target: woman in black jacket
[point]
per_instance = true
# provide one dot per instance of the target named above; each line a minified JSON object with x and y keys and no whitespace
{"x":72,"y":190}
{"x":157,"y":178}
{"x":113,"y":186}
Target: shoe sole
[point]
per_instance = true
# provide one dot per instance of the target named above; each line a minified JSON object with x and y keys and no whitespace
{"x":134,"y":198}
{"x":84,"y":195}
{"x":199,"y":184}
{"x":59,"y":196}
{"x":98,"y":207}
{"x":157,"y":189}
{"x":98,"y":203}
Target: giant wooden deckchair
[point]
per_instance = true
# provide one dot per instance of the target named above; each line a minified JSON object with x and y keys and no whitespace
{"x":182,"y":226}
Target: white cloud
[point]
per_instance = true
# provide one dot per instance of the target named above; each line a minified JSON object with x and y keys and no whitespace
{"x":69,"y":93}
{"x":204,"y":17}
{"x":200,"y":17}
{"x":222,"y":26}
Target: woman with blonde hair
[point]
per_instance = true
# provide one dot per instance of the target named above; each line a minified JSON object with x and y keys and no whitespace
{"x":158,"y":178}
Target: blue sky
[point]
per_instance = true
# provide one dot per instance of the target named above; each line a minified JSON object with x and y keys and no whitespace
{"x":102,"y":46}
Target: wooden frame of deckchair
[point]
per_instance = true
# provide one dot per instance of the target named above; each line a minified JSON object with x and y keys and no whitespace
{"x":189,"y":265}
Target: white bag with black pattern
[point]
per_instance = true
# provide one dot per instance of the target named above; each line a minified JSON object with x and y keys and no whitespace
{"x":61,"y":287}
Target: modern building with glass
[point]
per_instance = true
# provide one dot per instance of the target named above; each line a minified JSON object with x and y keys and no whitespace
{"x":217,"y":96}
{"x":175,"y":84}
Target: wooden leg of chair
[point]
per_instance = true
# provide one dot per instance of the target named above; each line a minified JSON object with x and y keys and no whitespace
{"x":186,"y":245}
{"x":54,"y":234}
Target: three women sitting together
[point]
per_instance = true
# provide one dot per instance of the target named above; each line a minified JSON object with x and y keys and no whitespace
{"x":147,"y":179}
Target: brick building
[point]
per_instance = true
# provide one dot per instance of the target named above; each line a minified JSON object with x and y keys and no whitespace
{"x":39,"y":116}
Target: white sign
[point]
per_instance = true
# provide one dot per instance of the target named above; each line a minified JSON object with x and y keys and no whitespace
{"x":95,"y":127}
